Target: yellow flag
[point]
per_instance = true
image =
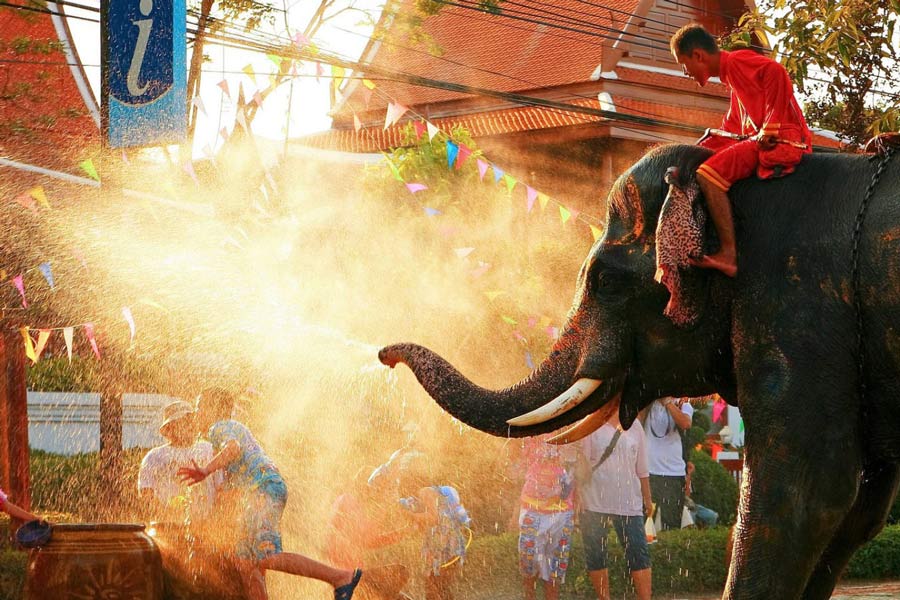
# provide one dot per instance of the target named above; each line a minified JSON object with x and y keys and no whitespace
{"x":39,"y":195}
{"x":337,"y":73}
{"x":545,"y":320}
{"x":596,"y":232}
{"x":29,"y":345}
{"x":250,"y":73}
{"x":564,"y":213}
{"x":493,"y":295}
{"x":369,"y":84}
{"x":543,"y":199}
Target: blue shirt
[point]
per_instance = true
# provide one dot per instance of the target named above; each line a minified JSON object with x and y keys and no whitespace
{"x":252,"y":469}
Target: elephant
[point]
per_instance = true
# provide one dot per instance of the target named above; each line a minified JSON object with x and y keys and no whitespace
{"x":812,"y":363}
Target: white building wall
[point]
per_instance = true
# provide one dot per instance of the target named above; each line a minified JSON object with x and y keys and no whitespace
{"x":69,"y":423}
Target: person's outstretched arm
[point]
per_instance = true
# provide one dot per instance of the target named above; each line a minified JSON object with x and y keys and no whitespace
{"x":195,"y":474}
{"x":16,"y":512}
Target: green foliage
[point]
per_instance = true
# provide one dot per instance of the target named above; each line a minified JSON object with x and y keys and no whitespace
{"x":839,"y":53}
{"x":12,"y":574}
{"x":713,"y":487}
{"x":879,"y":559}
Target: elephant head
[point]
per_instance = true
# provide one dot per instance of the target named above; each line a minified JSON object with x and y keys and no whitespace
{"x":617,"y":349}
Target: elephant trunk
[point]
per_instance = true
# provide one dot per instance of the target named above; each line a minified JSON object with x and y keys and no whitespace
{"x":489,"y":410}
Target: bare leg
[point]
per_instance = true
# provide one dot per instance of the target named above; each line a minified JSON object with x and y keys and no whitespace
{"x":725,"y":260}
{"x":530,"y":586}
{"x":551,"y":590}
{"x":642,"y":583}
{"x":297,"y":564}
{"x":600,"y":580}
{"x":253,"y":579}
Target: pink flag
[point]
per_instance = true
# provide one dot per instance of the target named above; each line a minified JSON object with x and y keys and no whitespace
{"x":300,"y":40}
{"x":718,"y":409}
{"x":257,"y":97}
{"x":67,"y":336}
{"x":224,"y":85}
{"x":530,"y":196}
{"x":129,"y":318}
{"x":356,"y":124}
{"x":464,"y":153}
{"x":482,"y":168}
{"x":20,"y":285}
{"x":320,"y":70}
{"x":43,"y":336}
{"x":26,"y":200}
{"x":419,"y":126}
{"x":189,"y":169}
{"x":89,"y":332}
{"x":198,"y":102}
{"x":416,"y":187}
{"x":224,"y":133}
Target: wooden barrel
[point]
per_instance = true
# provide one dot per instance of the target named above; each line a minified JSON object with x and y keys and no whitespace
{"x":95,"y":561}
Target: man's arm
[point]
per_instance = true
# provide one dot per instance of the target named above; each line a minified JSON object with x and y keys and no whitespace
{"x":682,"y":421}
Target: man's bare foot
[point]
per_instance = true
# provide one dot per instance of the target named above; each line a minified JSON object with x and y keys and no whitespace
{"x":721,"y":262}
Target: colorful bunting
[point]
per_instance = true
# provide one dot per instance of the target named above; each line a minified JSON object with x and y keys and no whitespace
{"x":320,"y":70}
{"x":47,"y":273}
{"x":88,"y":167}
{"x":357,"y":125}
{"x":248,"y":70}
{"x":39,"y":195}
{"x":498,"y":173}
{"x":276,"y":60}
{"x":395,"y":171}
{"x":29,"y":345}
{"x":419,"y":128}
{"x":300,"y":40}
{"x":481,"y":270}
{"x":223,"y":85}
{"x":530,"y":196}
{"x":718,"y":409}
{"x":492,"y":295}
{"x":189,"y":169}
{"x":198,"y":102}
{"x":89,"y":332}
{"x":529,"y":362}
{"x":464,"y":153}
{"x":369,"y":84}
{"x":510,"y":182}
{"x":43,"y":336}
{"x":452,"y":151}
{"x":543,"y":199}
{"x":129,"y":318}
{"x":432,"y":212}
{"x":596,"y":232}
{"x":257,"y":98}
{"x":509,"y":320}
{"x":224,"y":133}
{"x":416,"y":187}
{"x":564,"y":214}
{"x":463,"y":252}
{"x":432,"y":130}
{"x":27,"y":201}
{"x":337,"y":76}
{"x":19,"y":282}
{"x":393,"y":114}
{"x":67,"y":336}
{"x":482,"y":168}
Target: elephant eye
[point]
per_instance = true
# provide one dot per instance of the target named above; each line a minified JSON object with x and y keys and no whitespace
{"x":613,"y":285}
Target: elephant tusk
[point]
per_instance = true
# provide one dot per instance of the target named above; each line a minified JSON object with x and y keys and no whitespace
{"x":569,"y":399}
{"x":589,"y":424}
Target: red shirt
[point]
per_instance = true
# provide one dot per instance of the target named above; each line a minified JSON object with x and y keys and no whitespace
{"x":762,"y":100}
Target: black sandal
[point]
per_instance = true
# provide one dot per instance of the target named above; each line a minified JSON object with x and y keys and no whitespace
{"x":345,"y":592}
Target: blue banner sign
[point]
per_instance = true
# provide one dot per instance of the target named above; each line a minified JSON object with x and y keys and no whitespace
{"x":146,"y":72}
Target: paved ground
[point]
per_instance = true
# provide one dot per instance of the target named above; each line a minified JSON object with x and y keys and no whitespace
{"x":875,"y":590}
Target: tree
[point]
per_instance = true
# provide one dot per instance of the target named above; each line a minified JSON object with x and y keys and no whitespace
{"x":842,"y":53}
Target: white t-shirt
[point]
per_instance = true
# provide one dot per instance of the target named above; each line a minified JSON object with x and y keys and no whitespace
{"x":615,"y":486}
{"x":664,"y":449}
{"x":159,"y":472}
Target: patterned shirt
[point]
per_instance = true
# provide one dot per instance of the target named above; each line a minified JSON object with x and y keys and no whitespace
{"x":549,"y":483}
{"x":253,"y":469}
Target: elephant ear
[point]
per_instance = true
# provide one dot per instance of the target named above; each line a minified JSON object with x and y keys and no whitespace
{"x":680,"y":236}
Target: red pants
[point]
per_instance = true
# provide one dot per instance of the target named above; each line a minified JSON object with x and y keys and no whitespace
{"x":732,"y":163}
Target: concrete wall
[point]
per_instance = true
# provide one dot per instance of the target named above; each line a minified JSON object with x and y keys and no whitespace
{"x":69,"y":423}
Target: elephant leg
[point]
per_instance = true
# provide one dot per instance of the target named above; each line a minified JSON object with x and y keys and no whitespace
{"x":864,"y":521}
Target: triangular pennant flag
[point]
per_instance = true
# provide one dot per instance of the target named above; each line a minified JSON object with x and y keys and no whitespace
{"x":276,"y":60}
{"x":224,"y":133}
{"x":89,"y":332}
{"x":223,"y":85}
{"x":532,"y":321}
{"x":27,"y":201}
{"x":510,"y":182}
{"x":463,"y":252}
{"x":356,"y":123}
{"x":88,"y":167}
{"x":126,"y":312}
{"x":198,"y":102}
{"x":320,"y":70}
{"x":432,"y":212}
{"x":518,"y":335}
{"x":530,"y":196}
{"x":241,"y":118}
{"x":543,"y":199}
{"x":39,"y":195}
{"x":498,"y":173}
{"x":257,"y":97}
{"x":509,"y":320}
{"x":189,"y":169}
{"x":125,"y":157}
{"x":248,"y":70}
{"x":29,"y":345}
{"x":67,"y":336}
{"x":337,"y":76}
{"x":596,"y":232}
{"x":452,"y":151}
{"x":575,"y":213}
{"x":544,"y":321}
{"x":564,"y":213}
{"x":367,"y":97}
{"x":394,"y":112}
{"x":43,"y":336}
{"x":19,"y":282}
{"x":464,"y":153}
{"x":741,"y":427}
{"x":300,"y":40}
{"x":416,"y":187}
{"x":481,"y":270}
{"x":47,"y":273}
{"x":529,"y":362}
{"x":492,"y":295}
{"x":432,"y":130}
{"x":553,"y":332}
{"x":419,"y":128}
{"x":718,"y":409}
{"x":482,"y":168}
{"x":369,"y":84}
{"x":395,"y":171}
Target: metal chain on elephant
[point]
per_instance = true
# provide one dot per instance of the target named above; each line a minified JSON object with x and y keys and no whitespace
{"x":857,"y":236}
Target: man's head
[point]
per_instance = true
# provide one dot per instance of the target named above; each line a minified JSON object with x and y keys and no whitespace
{"x":695,"y":49}
{"x":178,"y":423}
{"x":213,"y":405}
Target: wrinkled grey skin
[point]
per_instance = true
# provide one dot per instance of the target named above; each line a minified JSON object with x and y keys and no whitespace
{"x":779,"y":341}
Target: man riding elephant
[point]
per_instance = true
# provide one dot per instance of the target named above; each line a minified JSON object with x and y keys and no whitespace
{"x":763,"y":110}
{"x":806,"y":342}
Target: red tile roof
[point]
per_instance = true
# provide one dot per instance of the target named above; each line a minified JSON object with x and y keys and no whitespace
{"x":47,"y":123}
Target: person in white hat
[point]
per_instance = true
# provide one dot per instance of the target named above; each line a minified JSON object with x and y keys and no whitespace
{"x":166,"y":497}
